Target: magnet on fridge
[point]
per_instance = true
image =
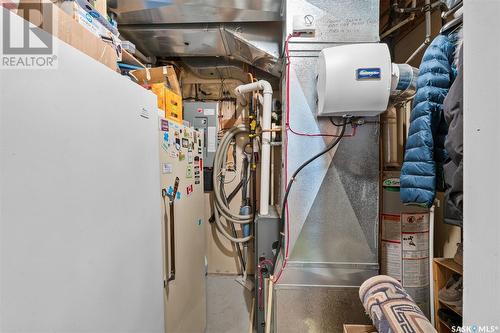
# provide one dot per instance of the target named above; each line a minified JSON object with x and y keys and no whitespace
{"x":185,"y":143}
{"x":189,"y":189}
{"x":164,"y":125}
{"x":182,"y":156}
{"x":166,"y":168}
{"x":178,"y":195}
{"x":189,"y":171}
{"x":173,"y":154}
{"x":170,"y":190}
{"x":164,"y":145}
{"x":165,"y":136}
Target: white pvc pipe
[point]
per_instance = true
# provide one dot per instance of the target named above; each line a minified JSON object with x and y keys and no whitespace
{"x":267,"y":91}
{"x":269,"y":309}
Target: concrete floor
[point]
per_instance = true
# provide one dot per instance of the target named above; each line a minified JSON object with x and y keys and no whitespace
{"x":228,"y":305}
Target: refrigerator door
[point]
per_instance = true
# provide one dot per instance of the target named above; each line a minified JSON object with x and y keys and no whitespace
{"x":181,"y":156}
{"x":80,"y":231}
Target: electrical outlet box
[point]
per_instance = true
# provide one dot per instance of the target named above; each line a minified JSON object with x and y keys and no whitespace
{"x":304,"y":25}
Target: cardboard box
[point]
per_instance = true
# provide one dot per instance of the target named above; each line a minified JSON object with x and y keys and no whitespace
{"x":173,"y":106}
{"x":87,"y":18}
{"x":68,"y":30}
{"x":168,"y":101}
{"x":163,"y":74}
{"x":101,"y":6}
{"x":348,"y":328}
{"x":164,"y":83}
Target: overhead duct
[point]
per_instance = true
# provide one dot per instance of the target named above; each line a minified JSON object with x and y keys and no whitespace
{"x":200,"y":28}
{"x":253,"y":46}
{"x":190,"y":11}
{"x":215,"y":68}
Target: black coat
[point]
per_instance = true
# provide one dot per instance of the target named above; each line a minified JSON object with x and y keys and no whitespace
{"x":453,"y":168}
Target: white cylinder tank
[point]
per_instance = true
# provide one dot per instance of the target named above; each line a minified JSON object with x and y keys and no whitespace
{"x":354,"y":80}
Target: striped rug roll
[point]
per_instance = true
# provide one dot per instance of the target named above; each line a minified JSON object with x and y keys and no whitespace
{"x":390,"y":307}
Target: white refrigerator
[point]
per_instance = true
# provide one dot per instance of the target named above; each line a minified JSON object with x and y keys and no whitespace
{"x":181,"y":168}
{"x":80,"y":210}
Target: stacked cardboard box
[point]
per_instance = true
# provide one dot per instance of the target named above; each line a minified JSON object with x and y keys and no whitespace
{"x":92,"y":20}
{"x":68,"y":30}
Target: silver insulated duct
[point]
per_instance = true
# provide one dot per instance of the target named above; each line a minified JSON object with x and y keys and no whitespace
{"x":248,"y":31}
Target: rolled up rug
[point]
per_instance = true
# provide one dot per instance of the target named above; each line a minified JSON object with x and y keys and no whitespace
{"x":390,"y":307}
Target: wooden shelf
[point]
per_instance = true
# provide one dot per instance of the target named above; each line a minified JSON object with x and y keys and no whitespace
{"x":443,"y":327}
{"x":452,"y":308}
{"x":443,"y":269}
{"x":450,"y":264}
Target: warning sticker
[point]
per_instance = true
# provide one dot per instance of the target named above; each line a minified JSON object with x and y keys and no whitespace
{"x":415,"y":245}
{"x":416,"y":222}
{"x":415,"y":249}
{"x":415,"y":272}
{"x":391,"y":259}
{"x":391,"y":228}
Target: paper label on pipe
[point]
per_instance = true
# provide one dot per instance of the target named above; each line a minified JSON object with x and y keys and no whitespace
{"x":211,"y":139}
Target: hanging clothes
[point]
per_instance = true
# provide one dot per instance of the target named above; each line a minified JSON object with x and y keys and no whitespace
{"x":422,"y":171}
{"x":453,"y":169}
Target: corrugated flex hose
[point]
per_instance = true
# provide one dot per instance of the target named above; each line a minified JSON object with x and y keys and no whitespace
{"x":221,"y":208}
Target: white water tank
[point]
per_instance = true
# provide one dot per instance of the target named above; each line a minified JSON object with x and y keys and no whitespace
{"x":354,"y":80}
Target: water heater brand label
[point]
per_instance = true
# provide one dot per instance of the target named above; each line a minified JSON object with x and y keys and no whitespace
{"x":368,"y":74}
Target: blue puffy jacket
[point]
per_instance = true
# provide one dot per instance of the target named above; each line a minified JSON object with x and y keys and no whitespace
{"x":422,"y":170}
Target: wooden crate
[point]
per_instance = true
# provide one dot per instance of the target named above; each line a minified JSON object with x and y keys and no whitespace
{"x":443,"y":269}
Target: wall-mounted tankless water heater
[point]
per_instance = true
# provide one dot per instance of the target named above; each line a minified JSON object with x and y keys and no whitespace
{"x":358,"y":79}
